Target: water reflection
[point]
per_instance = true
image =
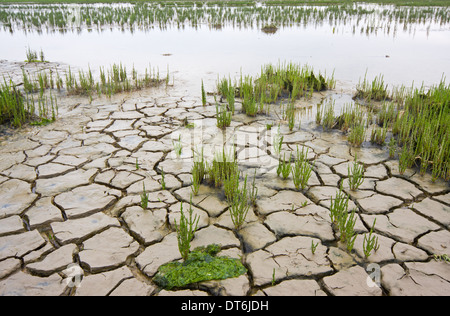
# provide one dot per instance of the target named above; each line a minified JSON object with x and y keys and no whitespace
{"x":362,"y":18}
{"x":405,"y":44}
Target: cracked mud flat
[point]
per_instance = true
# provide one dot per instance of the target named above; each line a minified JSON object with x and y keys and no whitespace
{"x":70,"y":198}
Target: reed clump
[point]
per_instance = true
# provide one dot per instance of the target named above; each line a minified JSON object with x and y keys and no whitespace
{"x":275,"y":83}
{"x":19,"y":107}
{"x":421,"y":128}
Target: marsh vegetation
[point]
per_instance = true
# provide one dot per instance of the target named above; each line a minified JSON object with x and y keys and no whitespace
{"x":364,"y":19}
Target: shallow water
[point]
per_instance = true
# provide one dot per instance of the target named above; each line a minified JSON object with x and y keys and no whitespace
{"x":415,"y":52}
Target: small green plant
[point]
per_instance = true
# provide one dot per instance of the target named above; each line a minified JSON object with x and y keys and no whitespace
{"x":223,"y":116}
{"x":392,"y":147}
{"x":41,"y":55}
{"x":186,"y":230}
{"x":198,"y":171}
{"x":137,"y":164}
{"x":338,"y":206}
{"x":341,"y":219}
{"x":357,"y":134}
{"x":278,"y":142}
{"x":443,"y":257}
{"x":378,"y":135}
{"x":375,"y":90}
{"x":406,"y":157}
{"x":348,"y":234}
{"x":177,"y":147}
{"x":301,"y":172}
{"x":239,"y":206}
{"x":327,"y":117}
{"x":203,"y":95}
{"x":32,"y":56}
{"x":254,"y":191}
{"x":223,"y":164}
{"x":195,"y":186}
{"x":370,"y":242}
{"x":314,"y":246}
{"x":163,"y":179}
{"x":231,"y":99}
{"x":144,"y":197}
{"x":273,"y":277}
{"x":355,"y":175}
{"x":249,"y":104}
{"x":231,"y":185}
{"x":290,"y":113}
{"x":284,"y":167}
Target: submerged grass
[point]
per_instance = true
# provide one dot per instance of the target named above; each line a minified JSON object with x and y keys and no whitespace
{"x":115,"y":79}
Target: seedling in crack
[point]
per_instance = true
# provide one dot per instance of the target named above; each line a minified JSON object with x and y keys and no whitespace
{"x":178,"y":147}
{"x":284,"y":167}
{"x":301,"y":172}
{"x":144,"y":197}
{"x":370,"y":242}
{"x":186,"y":230}
{"x":355,"y":175}
{"x":314,"y":246}
{"x":239,"y":206}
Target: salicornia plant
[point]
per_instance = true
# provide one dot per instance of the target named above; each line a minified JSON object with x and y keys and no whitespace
{"x":277,"y":142}
{"x":370,"y":242}
{"x":254,"y":190}
{"x":186,"y":231}
{"x":313,"y":246}
{"x":357,"y":134}
{"x":355,"y":175}
{"x":144,"y":197}
{"x":163,"y":179}
{"x":239,"y":206}
{"x":301,"y":172}
{"x":198,"y":171}
{"x":178,"y":146}
{"x":223,"y":116}
{"x":203,"y":95}
{"x":340,"y":218}
{"x":231,"y":185}
{"x":284,"y":167}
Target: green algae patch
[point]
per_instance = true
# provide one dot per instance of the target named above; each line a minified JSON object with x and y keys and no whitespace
{"x":202,"y":264}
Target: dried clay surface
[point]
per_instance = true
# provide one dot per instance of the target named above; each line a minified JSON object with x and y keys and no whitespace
{"x":70,"y":205}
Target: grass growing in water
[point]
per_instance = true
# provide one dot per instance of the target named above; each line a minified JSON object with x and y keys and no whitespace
{"x":32,"y":56}
{"x":284,"y":81}
{"x":421,"y":128}
{"x":374,"y":90}
{"x":114,"y":80}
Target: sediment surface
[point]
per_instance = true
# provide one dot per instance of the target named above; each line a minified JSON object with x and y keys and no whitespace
{"x":70,"y":206}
